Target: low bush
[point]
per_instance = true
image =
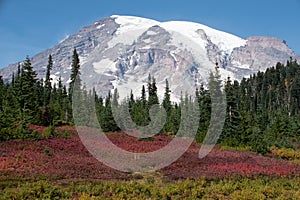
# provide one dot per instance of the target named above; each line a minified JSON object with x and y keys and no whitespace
{"x":65,"y":134}
{"x":240,"y":188}
{"x":48,"y":152}
{"x":238,"y":148}
{"x":286,"y":153}
{"x":37,"y":190}
{"x":49,"y":132}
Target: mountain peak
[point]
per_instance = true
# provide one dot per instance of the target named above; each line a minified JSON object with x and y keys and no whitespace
{"x":225,"y":41}
{"x":123,"y":50}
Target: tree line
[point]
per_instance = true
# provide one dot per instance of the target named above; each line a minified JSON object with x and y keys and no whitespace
{"x":261,"y":111}
{"x":28,"y":100}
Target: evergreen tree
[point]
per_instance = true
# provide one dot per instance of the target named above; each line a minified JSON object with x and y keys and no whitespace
{"x":218,"y":113}
{"x":140,"y":110}
{"x":152,"y":89}
{"x":149,"y":86}
{"x":204,"y":102}
{"x":75,"y":73}
{"x":48,"y":73}
{"x":28,"y":98}
{"x":167,"y":98}
{"x":108,"y":122}
{"x":232,"y":130}
{"x":99,"y":109}
{"x":13,"y":79}
{"x":168,"y":108}
{"x":143,"y":97}
{"x":48,"y":87}
{"x":131,"y":100}
{"x":2,"y":93}
{"x":115,"y":97}
{"x":83,"y":107}
{"x":295,"y":95}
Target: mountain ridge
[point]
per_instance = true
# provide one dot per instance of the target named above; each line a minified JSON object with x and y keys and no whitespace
{"x":123,"y":50}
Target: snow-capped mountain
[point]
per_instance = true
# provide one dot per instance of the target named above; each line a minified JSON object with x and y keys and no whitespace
{"x":121,"y":51}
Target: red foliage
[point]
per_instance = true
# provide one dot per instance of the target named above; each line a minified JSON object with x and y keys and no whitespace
{"x":69,"y":159}
{"x":132,"y":144}
{"x":39,"y":129}
{"x":221,"y":163}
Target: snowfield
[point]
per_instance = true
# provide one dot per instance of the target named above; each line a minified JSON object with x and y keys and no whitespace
{"x":185,"y":36}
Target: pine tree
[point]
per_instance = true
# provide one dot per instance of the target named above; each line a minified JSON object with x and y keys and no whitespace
{"x":82,"y":110}
{"x":149,"y":86}
{"x":204,"y":102}
{"x":99,"y":108}
{"x":295,"y":95}
{"x":48,"y":86}
{"x":108,"y":122}
{"x":232,"y":130}
{"x":167,"y":98}
{"x":28,"y":99}
{"x":168,"y":108}
{"x":115,"y":97}
{"x":152,"y":89}
{"x":2,"y":94}
{"x":143,"y":97}
{"x":175,"y":118}
{"x":131,"y":102}
{"x":141,"y":109}
{"x":48,"y":73}
{"x":218,"y":113}
{"x":75,"y":73}
{"x":13,"y":79}
{"x":9,"y":113}
{"x":75,"y":85}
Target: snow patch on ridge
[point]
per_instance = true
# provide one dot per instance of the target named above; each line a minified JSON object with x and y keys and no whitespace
{"x":129,"y":23}
{"x":239,"y":65}
{"x":225,"y":41}
{"x":100,"y":26}
{"x":151,"y":33}
{"x":130,"y":29}
{"x":104,"y":66}
{"x":54,"y":79}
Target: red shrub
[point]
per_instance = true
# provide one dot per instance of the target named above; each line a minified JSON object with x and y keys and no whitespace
{"x":69,"y":159}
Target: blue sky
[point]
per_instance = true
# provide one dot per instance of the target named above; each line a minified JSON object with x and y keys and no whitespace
{"x":30,"y":26}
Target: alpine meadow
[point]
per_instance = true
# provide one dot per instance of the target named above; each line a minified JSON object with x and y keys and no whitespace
{"x":134,"y":108}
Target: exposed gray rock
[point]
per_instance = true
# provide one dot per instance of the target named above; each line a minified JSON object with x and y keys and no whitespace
{"x":108,"y":60}
{"x":259,"y":53}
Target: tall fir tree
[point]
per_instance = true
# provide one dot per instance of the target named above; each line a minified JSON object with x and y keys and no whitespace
{"x":47,"y":94}
{"x":107,"y":119}
{"x":2,"y":93}
{"x":48,"y":73}
{"x":232,"y":130}
{"x":152,"y":90}
{"x":143,"y":97}
{"x":204,"y":102}
{"x":75,"y":73}
{"x":28,"y":99}
{"x":218,"y":113}
{"x":168,"y":108}
{"x":167,"y":98}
